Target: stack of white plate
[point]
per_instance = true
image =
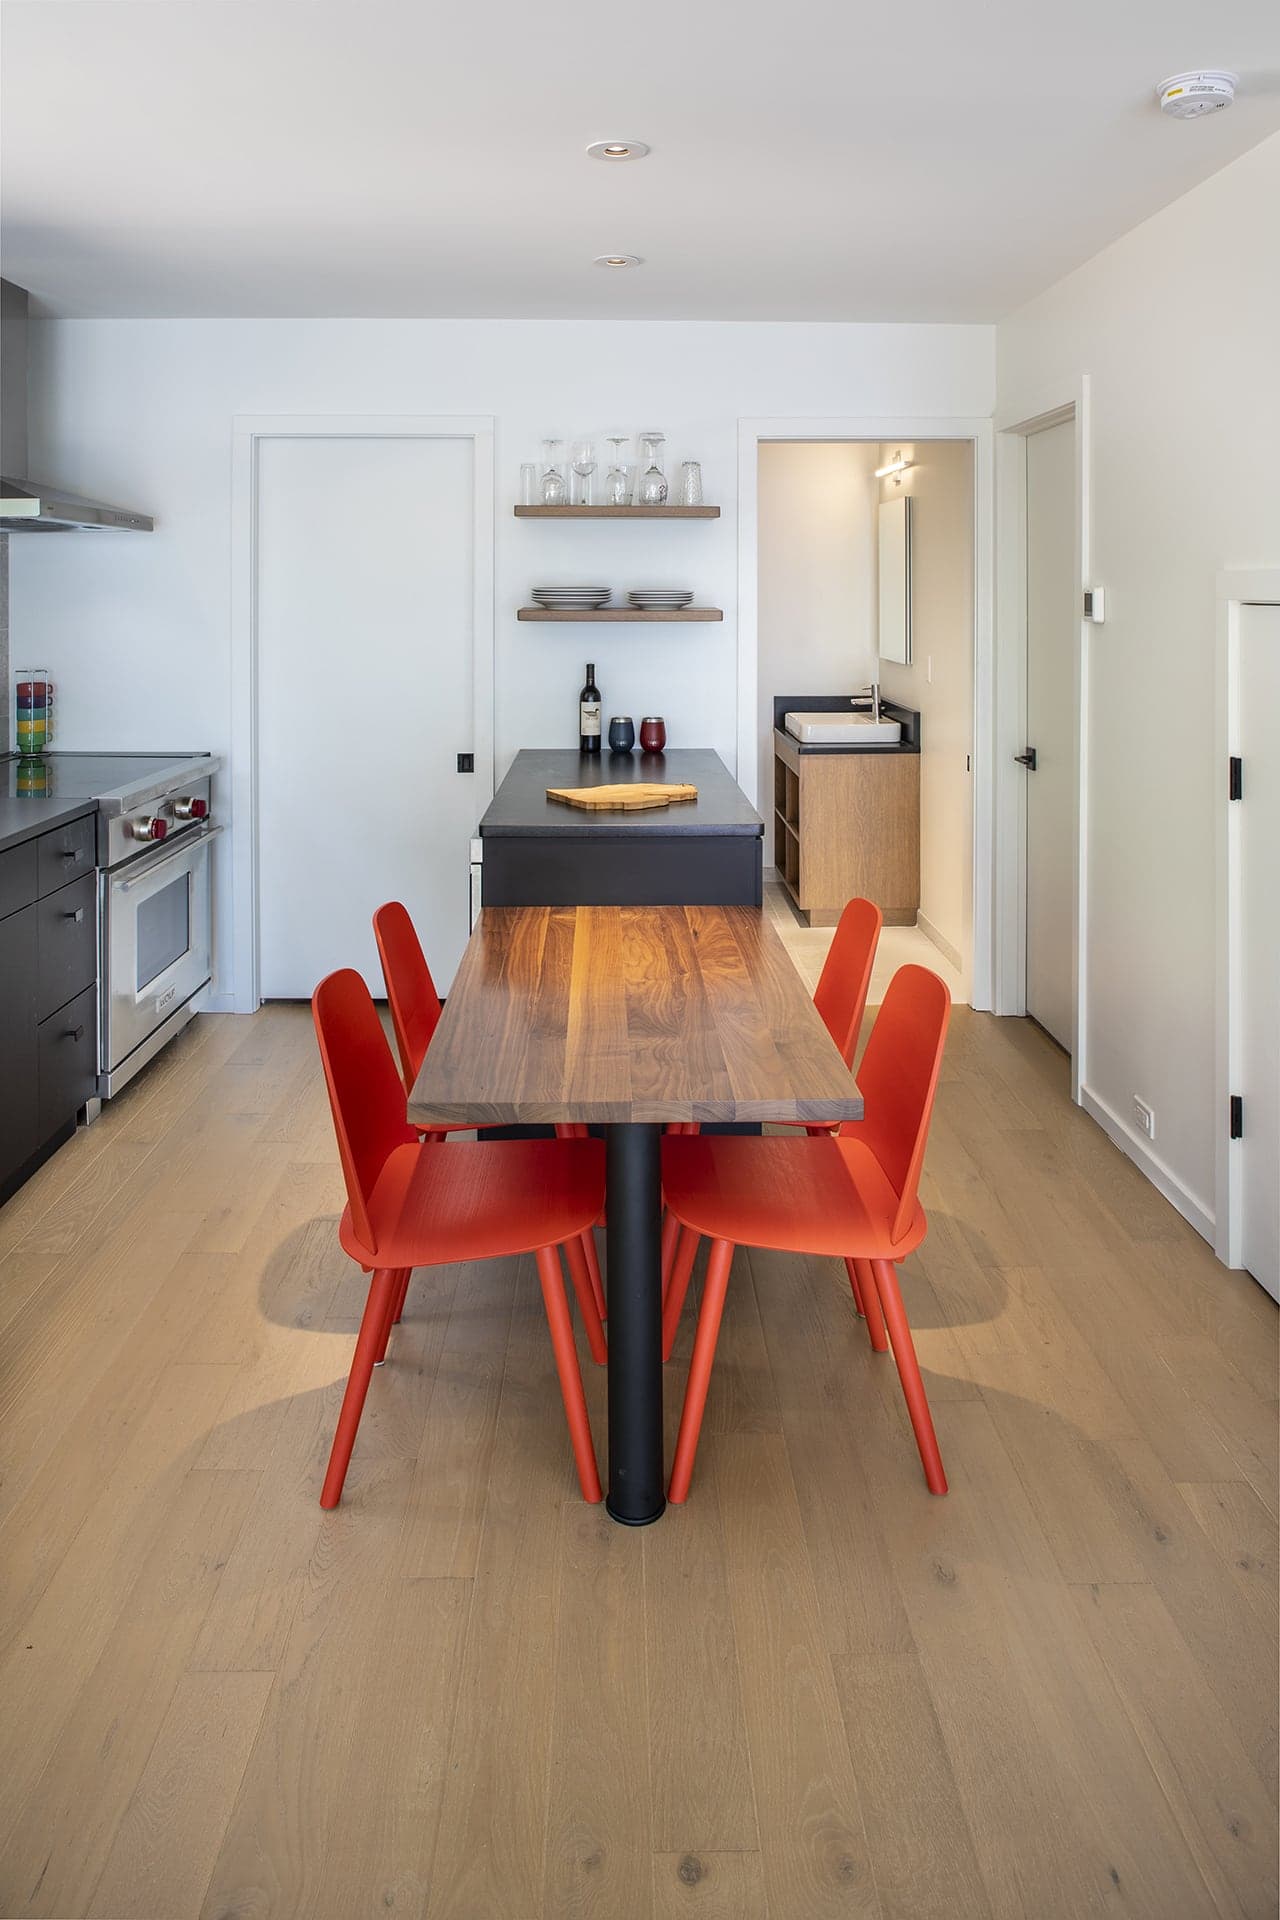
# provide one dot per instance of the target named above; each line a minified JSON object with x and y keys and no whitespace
{"x":660,"y":599}
{"x":565,"y":599}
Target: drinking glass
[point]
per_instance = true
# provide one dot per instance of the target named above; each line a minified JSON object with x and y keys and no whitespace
{"x":584,"y":465}
{"x":617,"y":485}
{"x":653,"y":482}
{"x":554,"y":492}
{"x":529,"y":493}
{"x":690,"y":483}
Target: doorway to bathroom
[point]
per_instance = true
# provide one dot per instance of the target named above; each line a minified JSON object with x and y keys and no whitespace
{"x":865,"y":596}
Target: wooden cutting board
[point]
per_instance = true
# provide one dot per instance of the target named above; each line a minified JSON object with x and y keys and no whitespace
{"x":632,"y":797}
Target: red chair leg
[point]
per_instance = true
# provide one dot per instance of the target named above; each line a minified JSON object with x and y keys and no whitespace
{"x":904,"y":1352}
{"x":403,"y":1276}
{"x":575,"y":1400}
{"x":673,"y":1300}
{"x":851,"y":1269}
{"x":869,"y":1303}
{"x":588,"y":1244}
{"x":581,"y":1277}
{"x":704,"y":1352}
{"x":670,"y":1234}
{"x":370,"y":1341}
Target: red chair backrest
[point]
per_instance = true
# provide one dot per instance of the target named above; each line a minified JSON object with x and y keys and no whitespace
{"x":841,"y":992}
{"x":365,"y":1092}
{"x":898,"y":1076}
{"x":411,"y":992}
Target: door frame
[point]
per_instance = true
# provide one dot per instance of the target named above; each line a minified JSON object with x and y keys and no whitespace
{"x":1236,"y":590}
{"x":248,"y":433}
{"x":1068,"y":401}
{"x":876,"y":427}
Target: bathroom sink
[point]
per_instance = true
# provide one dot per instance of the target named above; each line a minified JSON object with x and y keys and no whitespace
{"x":843,"y":730}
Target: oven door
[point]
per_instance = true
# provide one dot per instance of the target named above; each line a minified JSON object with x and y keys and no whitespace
{"x":157,"y":930}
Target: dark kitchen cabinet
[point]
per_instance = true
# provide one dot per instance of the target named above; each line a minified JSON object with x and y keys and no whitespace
{"x":19,"y":1073}
{"x":48,"y":994}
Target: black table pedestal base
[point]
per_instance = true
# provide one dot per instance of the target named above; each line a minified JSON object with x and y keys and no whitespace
{"x":633,"y":1200}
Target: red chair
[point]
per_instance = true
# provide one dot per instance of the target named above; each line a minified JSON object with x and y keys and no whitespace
{"x":415,"y":1015}
{"x":411,"y":1205}
{"x":852,"y":1196}
{"x":841,"y":998}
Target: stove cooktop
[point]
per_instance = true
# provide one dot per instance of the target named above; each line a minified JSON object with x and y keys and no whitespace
{"x":98,"y":776}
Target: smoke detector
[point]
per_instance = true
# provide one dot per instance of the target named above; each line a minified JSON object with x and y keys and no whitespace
{"x":1187,"y":96}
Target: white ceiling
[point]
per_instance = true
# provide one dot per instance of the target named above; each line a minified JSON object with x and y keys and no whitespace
{"x":815,"y":159}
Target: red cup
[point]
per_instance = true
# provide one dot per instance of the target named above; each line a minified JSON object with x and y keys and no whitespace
{"x":653,"y":733}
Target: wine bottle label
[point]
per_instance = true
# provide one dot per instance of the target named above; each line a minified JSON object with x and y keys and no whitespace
{"x":589,"y":716}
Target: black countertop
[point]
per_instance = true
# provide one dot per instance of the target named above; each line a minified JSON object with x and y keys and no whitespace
{"x":520,"y":808}
{"x":23,"y":817}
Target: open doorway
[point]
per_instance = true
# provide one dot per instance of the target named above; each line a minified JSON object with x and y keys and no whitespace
{"x":865,"y":581}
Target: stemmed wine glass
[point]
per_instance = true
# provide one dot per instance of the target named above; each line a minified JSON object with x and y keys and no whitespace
{"x":553,"y":487}
{"x":584,"y":465}
{"x":617,"y":487}
{"x":653,"y":482}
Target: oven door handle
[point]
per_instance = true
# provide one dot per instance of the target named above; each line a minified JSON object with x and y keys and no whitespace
{"x":186,"y":844}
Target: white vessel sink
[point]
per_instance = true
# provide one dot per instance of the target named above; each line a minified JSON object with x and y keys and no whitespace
{"x":843,"y":730}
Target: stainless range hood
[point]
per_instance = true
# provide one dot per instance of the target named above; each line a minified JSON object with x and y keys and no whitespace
{"x":25,"y":505}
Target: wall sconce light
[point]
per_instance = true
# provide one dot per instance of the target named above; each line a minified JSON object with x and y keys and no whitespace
{"x":896,"y":467}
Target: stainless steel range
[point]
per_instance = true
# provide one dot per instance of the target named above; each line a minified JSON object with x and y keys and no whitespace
{"x":155,"y":910}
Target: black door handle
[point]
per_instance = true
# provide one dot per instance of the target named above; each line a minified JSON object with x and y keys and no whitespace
{"x":1027,"y":759}
{"x":73,"y":1033}
{"x":76,"y":914}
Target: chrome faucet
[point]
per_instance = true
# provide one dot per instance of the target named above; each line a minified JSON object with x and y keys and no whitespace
{"x":874,"y":690}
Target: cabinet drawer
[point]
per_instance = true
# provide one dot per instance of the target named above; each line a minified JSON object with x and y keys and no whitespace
{"x":19,"y":1134}
{"x":68,"y":943}
{"x":68,"y":1042}
{"x":17,"y":877}
{"x":67,"y":852}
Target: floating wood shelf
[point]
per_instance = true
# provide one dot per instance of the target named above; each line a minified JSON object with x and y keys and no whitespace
{"x":617,"y":513}
{"x":620,"y":613}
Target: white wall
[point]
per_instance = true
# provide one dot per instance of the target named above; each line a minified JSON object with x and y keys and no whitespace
{"x":137,"y":630}
{"x":1176,"y":326}
{"x":816,"y":584}
{"x":938,"y":679}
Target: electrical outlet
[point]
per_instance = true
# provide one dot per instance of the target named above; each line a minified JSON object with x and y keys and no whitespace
{"x":1144,"y":1118}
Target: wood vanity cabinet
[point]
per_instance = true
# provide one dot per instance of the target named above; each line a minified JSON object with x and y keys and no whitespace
{"x":847,"y":824}
{"x":49,"y":1006}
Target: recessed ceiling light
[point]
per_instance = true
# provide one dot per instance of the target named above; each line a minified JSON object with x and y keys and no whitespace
{"x":618,"y":260}
{"x":617,"y":150}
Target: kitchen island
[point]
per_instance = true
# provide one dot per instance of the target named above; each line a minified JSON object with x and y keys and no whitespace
{"x":542,"y":853}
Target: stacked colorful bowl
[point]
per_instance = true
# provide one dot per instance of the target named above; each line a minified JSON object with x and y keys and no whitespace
{"x":35,"y":711}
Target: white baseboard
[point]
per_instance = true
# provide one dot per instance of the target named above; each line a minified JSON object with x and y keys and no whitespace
{"x":1162,"y":1178}
{"x":940,"y":941}
{"x":216,"y":1003}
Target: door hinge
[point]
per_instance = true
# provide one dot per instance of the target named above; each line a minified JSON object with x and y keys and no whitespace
{"x":1235,"y":777}
{"x":1237,"y":1117}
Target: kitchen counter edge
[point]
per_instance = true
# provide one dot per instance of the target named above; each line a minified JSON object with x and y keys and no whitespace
{"x":23,"y":818}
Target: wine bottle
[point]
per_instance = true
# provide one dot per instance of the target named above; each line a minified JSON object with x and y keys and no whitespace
{"x":589,"y":714}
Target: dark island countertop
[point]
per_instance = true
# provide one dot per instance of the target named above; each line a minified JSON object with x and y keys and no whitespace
{"x":521,"y":809}
{"x":22,"y":817}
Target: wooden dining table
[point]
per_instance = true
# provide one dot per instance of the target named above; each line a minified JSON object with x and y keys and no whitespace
{"x":629,"y":1019}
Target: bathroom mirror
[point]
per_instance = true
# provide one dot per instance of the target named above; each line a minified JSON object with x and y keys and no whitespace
{"x":895,"y":579}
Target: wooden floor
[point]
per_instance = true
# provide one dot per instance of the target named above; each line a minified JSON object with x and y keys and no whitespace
{"x":814,"y":1691}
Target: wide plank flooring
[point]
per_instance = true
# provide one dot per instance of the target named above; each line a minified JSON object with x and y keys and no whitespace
{"x":465,"y":1695}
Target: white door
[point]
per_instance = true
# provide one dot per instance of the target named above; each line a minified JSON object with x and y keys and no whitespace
{"x":365,"y":663}
{"x":1051,"y":704}
{"x":1259,"y":945}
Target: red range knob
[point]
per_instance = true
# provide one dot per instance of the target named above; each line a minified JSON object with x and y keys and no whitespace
{"x":190,"y":809}
{"x":149,"y":827}
{"x":158,"y":829}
